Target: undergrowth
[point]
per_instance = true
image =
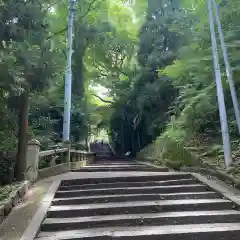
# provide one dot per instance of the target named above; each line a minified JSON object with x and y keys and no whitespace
{"x":5,"y":191}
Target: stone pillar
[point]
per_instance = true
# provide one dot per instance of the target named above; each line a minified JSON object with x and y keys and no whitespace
{"x":74,"y":156}
{"x":31,"y":172}
{"x":67,"y":159}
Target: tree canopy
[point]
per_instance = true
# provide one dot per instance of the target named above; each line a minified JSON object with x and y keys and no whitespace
{"x":142,"y":70}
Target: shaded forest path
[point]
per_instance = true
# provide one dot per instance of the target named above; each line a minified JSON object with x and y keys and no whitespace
{"x":129,"y":200}
{"x":102,"y":150}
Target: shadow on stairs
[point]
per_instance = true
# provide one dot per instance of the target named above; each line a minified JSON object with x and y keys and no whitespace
{"x":154,"y":205}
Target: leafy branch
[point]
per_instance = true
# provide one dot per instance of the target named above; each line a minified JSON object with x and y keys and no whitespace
{"x":81,"y":17}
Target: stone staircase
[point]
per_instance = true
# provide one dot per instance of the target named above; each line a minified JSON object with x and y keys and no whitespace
{"x":166,"y":205}
{"x":103,"y":151}
{"x":109,"y":166}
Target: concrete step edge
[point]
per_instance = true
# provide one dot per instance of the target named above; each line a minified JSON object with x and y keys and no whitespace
{"x":133,"y":188}
{"x":159,"y":190}
{"x":142,"y":169}
{"x":122,"y":191}
{"x":162,"y":196}
{"x":138,"y":207}
{"x":168,"y":232}
{"x":144,"y":177}
{"x":143,"y":216}
{"x":130,"y":184}
{"x":142,"y":203}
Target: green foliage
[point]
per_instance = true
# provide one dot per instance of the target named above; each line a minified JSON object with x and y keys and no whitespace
{"x":7,"y":190}
{"x":170,"y":95}
{"x":6,"y":170}
{"x":33,"y":58}
{"x":194,"y":111}
{"x":153,"y":59}
{"x":141,"y":111}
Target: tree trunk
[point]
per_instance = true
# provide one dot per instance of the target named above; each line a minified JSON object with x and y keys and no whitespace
{"x":86,"y":144}
{"x":22,"y":136}
{"x":122,"y":136}
{"x":139,"y":142}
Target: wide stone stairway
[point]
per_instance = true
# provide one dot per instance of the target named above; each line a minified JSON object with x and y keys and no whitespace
{"x":156,"y":204}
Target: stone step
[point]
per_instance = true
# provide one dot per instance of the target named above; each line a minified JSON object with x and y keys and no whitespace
{"x":159,"y":219}
{"x":104,"y":156}
{"x":134,"y":197}
{"x":216,"y":231}
{"x":163,"y":176}
{"x":133,"y":190}
{"x":119,"y":168}
{"x":116,"y":163}
{"x":119,"y":160}
{"x":96,"y":165}
{"x":138,"y":207}
{"x":109,"y":164}
{"x":130,"y":184}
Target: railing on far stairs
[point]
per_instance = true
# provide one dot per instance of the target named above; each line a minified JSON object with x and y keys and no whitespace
{"x":42,"y":164}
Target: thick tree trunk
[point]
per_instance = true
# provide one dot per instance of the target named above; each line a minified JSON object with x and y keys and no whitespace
{"x":22,"y":136}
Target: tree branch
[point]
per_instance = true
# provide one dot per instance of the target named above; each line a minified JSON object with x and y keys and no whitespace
{"x":105,"y":101}
{"x":84,"y":15}
{"x":89,"y":8}
{"x":50,"y":5}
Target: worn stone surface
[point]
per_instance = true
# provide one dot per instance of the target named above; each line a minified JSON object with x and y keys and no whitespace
{"x":153,"y":219}
{"x":134,"y":197}
{"x":35,"y":223}
{"x":174,"y":232}
{"x":53,"y":171}
{"x":131,"y":184}
{"x":75,"y":178}
{"x":15,"y":224}
{"x":86,"y":177}
{"x":139,"y":207}
{"x":1,"y":214}
{"x":227,"y":191}
{"x":119,"y":206}
{"x":23,"y":189}
{"x":136,"y":190}
{"x":121,"y":168}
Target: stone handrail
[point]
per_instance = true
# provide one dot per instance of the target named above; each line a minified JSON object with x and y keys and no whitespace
{"x":79,"y":158}
{"x":77,"y":155}
{"x":51,"y":152}
{"x":66,"y":157}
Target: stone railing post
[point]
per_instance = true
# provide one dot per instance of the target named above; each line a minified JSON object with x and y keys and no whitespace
{"x":74,"y":156}
{"x":67,"y":144}
{"x":31,"y":172}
